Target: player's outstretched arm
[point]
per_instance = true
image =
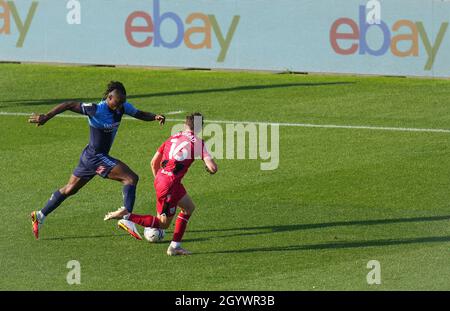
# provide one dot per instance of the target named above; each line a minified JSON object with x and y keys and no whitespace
{"x":148,"y":116}
{"x":211,"y":166}
{"x":41,"y":119}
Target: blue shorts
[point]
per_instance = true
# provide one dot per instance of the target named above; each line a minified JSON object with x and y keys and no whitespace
{"x":94,"y":164}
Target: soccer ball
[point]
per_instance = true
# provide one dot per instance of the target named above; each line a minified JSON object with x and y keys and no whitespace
{"x":154,"y":235}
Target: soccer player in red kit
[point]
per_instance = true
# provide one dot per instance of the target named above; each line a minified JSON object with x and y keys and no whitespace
{"x":169,"y":165}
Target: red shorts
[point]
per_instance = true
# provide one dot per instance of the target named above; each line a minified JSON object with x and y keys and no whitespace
{"x":167,"y":196}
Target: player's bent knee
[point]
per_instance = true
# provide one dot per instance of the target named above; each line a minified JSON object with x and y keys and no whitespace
{"x":136,"y":179}
{"x":189,"y":211}
{"x":131,"y":179}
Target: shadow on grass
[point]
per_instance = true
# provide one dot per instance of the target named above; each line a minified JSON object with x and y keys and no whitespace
{"x":249,"y":231}
{"x":76,"y":237}
{"x":38,"y":102}
{"x":331,"y":245}
{"x":337,"y":245}
{"x":282,"y":228}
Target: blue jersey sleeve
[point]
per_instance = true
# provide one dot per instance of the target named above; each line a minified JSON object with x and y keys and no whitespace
{"x":129,"y":109}
{"x":88,"y":109}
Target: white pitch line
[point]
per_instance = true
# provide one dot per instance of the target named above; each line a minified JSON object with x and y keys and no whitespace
{"x":333,"y":126}
{"x":173,"y":112}
{"x":360,"y":127}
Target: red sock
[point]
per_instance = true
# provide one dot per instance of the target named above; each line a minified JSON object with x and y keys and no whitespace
{"x":145,"y":220}
{"x":180,"y":226}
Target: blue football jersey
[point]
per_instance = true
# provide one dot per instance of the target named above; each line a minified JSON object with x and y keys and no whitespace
{"x":103,"y":124}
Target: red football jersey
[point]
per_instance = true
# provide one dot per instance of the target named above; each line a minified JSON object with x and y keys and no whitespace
{"x":179,"y":151}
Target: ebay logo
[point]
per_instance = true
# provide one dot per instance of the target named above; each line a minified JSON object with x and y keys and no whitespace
{"x":148,"y":32}
{"x":9,"y":14}
{"x":356,"y":38}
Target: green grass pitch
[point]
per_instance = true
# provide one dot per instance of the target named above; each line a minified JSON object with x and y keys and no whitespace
{"x":339,"y":198}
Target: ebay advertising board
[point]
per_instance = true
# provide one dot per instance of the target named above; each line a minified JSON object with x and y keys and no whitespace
{"x":387,"y":37}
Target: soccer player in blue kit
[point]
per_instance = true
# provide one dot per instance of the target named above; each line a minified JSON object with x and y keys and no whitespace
{"x":104,"y":121}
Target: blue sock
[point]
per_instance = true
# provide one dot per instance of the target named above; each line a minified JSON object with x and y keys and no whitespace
{"x":55,"y":200}
{"x":129,"y":195}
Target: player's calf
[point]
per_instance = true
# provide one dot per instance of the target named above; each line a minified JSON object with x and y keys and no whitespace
{"x":122,"y":173}
{"x":180,"y":227}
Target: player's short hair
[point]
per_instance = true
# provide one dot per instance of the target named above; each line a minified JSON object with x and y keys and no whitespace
{"x":190,"y":119}
{"x":115,"y":86}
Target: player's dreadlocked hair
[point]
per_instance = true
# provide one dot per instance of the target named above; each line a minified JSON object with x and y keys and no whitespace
{"x":114,"y":85}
